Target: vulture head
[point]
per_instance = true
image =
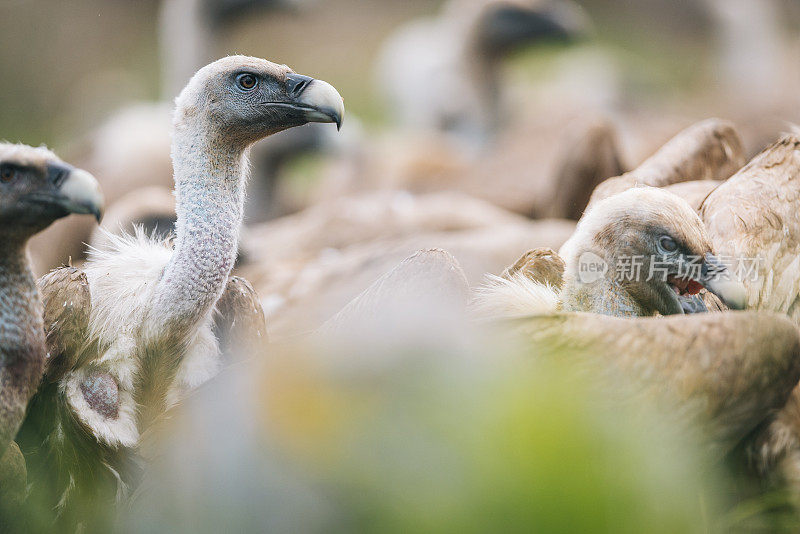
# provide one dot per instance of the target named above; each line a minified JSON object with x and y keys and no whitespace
{"x":648,"y":248}
{"x":36,"y":188}
{"x":244,"y":99}
{"x":505,"y":26}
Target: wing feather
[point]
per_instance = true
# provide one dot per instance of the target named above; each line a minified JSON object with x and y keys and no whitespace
{"x":754,"y":217}
{"x":67,"y":307}
{"x":708,"y":150}
{"x":240,"y":323}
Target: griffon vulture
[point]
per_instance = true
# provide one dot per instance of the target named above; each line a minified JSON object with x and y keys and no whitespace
{"x":138,"y":326}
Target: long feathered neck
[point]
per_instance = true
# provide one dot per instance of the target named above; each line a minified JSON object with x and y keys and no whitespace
{"x":209,"y":188}
{"x":22,"y":344}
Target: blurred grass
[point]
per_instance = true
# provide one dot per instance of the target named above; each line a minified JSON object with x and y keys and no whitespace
{"x":443,"y":443}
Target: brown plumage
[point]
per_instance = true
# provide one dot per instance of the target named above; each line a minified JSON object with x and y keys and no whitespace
{"x":707,"y":150}
{"x":240,"y":324}
{"x":348,"y":221}
{"x":36,"y":188}
{"x":426,"y":281}
{"x":67,"y":305}
{"x":754,"y":215}
{"x":745,"y":367}
{"x":753,"y":220}
{"x":542,"y":265}
{"x":307,"y":266}
{"x":326,"y":256}
{"x":694,"y":192}
{"x":539,"y":169}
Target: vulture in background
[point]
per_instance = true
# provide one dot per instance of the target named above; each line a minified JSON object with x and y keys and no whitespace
{"x":445,"y":73}
{"x":144,"y":324}
{"x":444,"y":79}
{"x":544,"y":167}
{"x":36,"y":188}
{"x":324,"y":256}
{"x":131,"y":149}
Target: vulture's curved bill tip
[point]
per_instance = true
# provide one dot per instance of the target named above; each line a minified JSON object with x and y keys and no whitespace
{"x":320,"y":101}
{"x":717,"y":278}
{"x":80,"y":193}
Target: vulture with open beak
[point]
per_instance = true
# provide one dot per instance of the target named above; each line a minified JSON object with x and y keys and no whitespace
{"x":641,"y":252}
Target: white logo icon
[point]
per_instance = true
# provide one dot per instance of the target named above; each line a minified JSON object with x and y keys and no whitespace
{"x":591,"y":267}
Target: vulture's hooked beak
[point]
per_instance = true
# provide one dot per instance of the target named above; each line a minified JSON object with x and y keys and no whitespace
{"x":76,"y":191}
{"x":714,"y":276}
{"x":717,"y":278}
{"x":318,"y":100}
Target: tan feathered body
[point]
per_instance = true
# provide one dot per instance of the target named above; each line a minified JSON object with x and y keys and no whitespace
{"x":755,"y":215}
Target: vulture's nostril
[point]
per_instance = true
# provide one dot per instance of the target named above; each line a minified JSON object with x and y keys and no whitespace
{"x":297,"y":83}
{"x":57,"y":173}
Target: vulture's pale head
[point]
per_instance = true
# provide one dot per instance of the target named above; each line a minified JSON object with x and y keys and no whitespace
{"x":36,"y":188}
{"x":650,"y":247}
{"x":239,"y":100}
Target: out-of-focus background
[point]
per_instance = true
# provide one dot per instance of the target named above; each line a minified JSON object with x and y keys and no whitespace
{"x":68,"y":65}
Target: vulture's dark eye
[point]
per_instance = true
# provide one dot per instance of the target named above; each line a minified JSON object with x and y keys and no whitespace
{"x":246,"y":81}
{"x":667,"y":244}
{"x":7,"y":174}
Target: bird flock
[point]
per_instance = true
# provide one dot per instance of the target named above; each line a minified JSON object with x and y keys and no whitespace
{"x":682,"y":274}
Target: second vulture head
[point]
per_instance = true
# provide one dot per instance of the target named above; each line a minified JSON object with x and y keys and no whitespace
{"x":643,"y":252}
{"x":37,"y":188}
